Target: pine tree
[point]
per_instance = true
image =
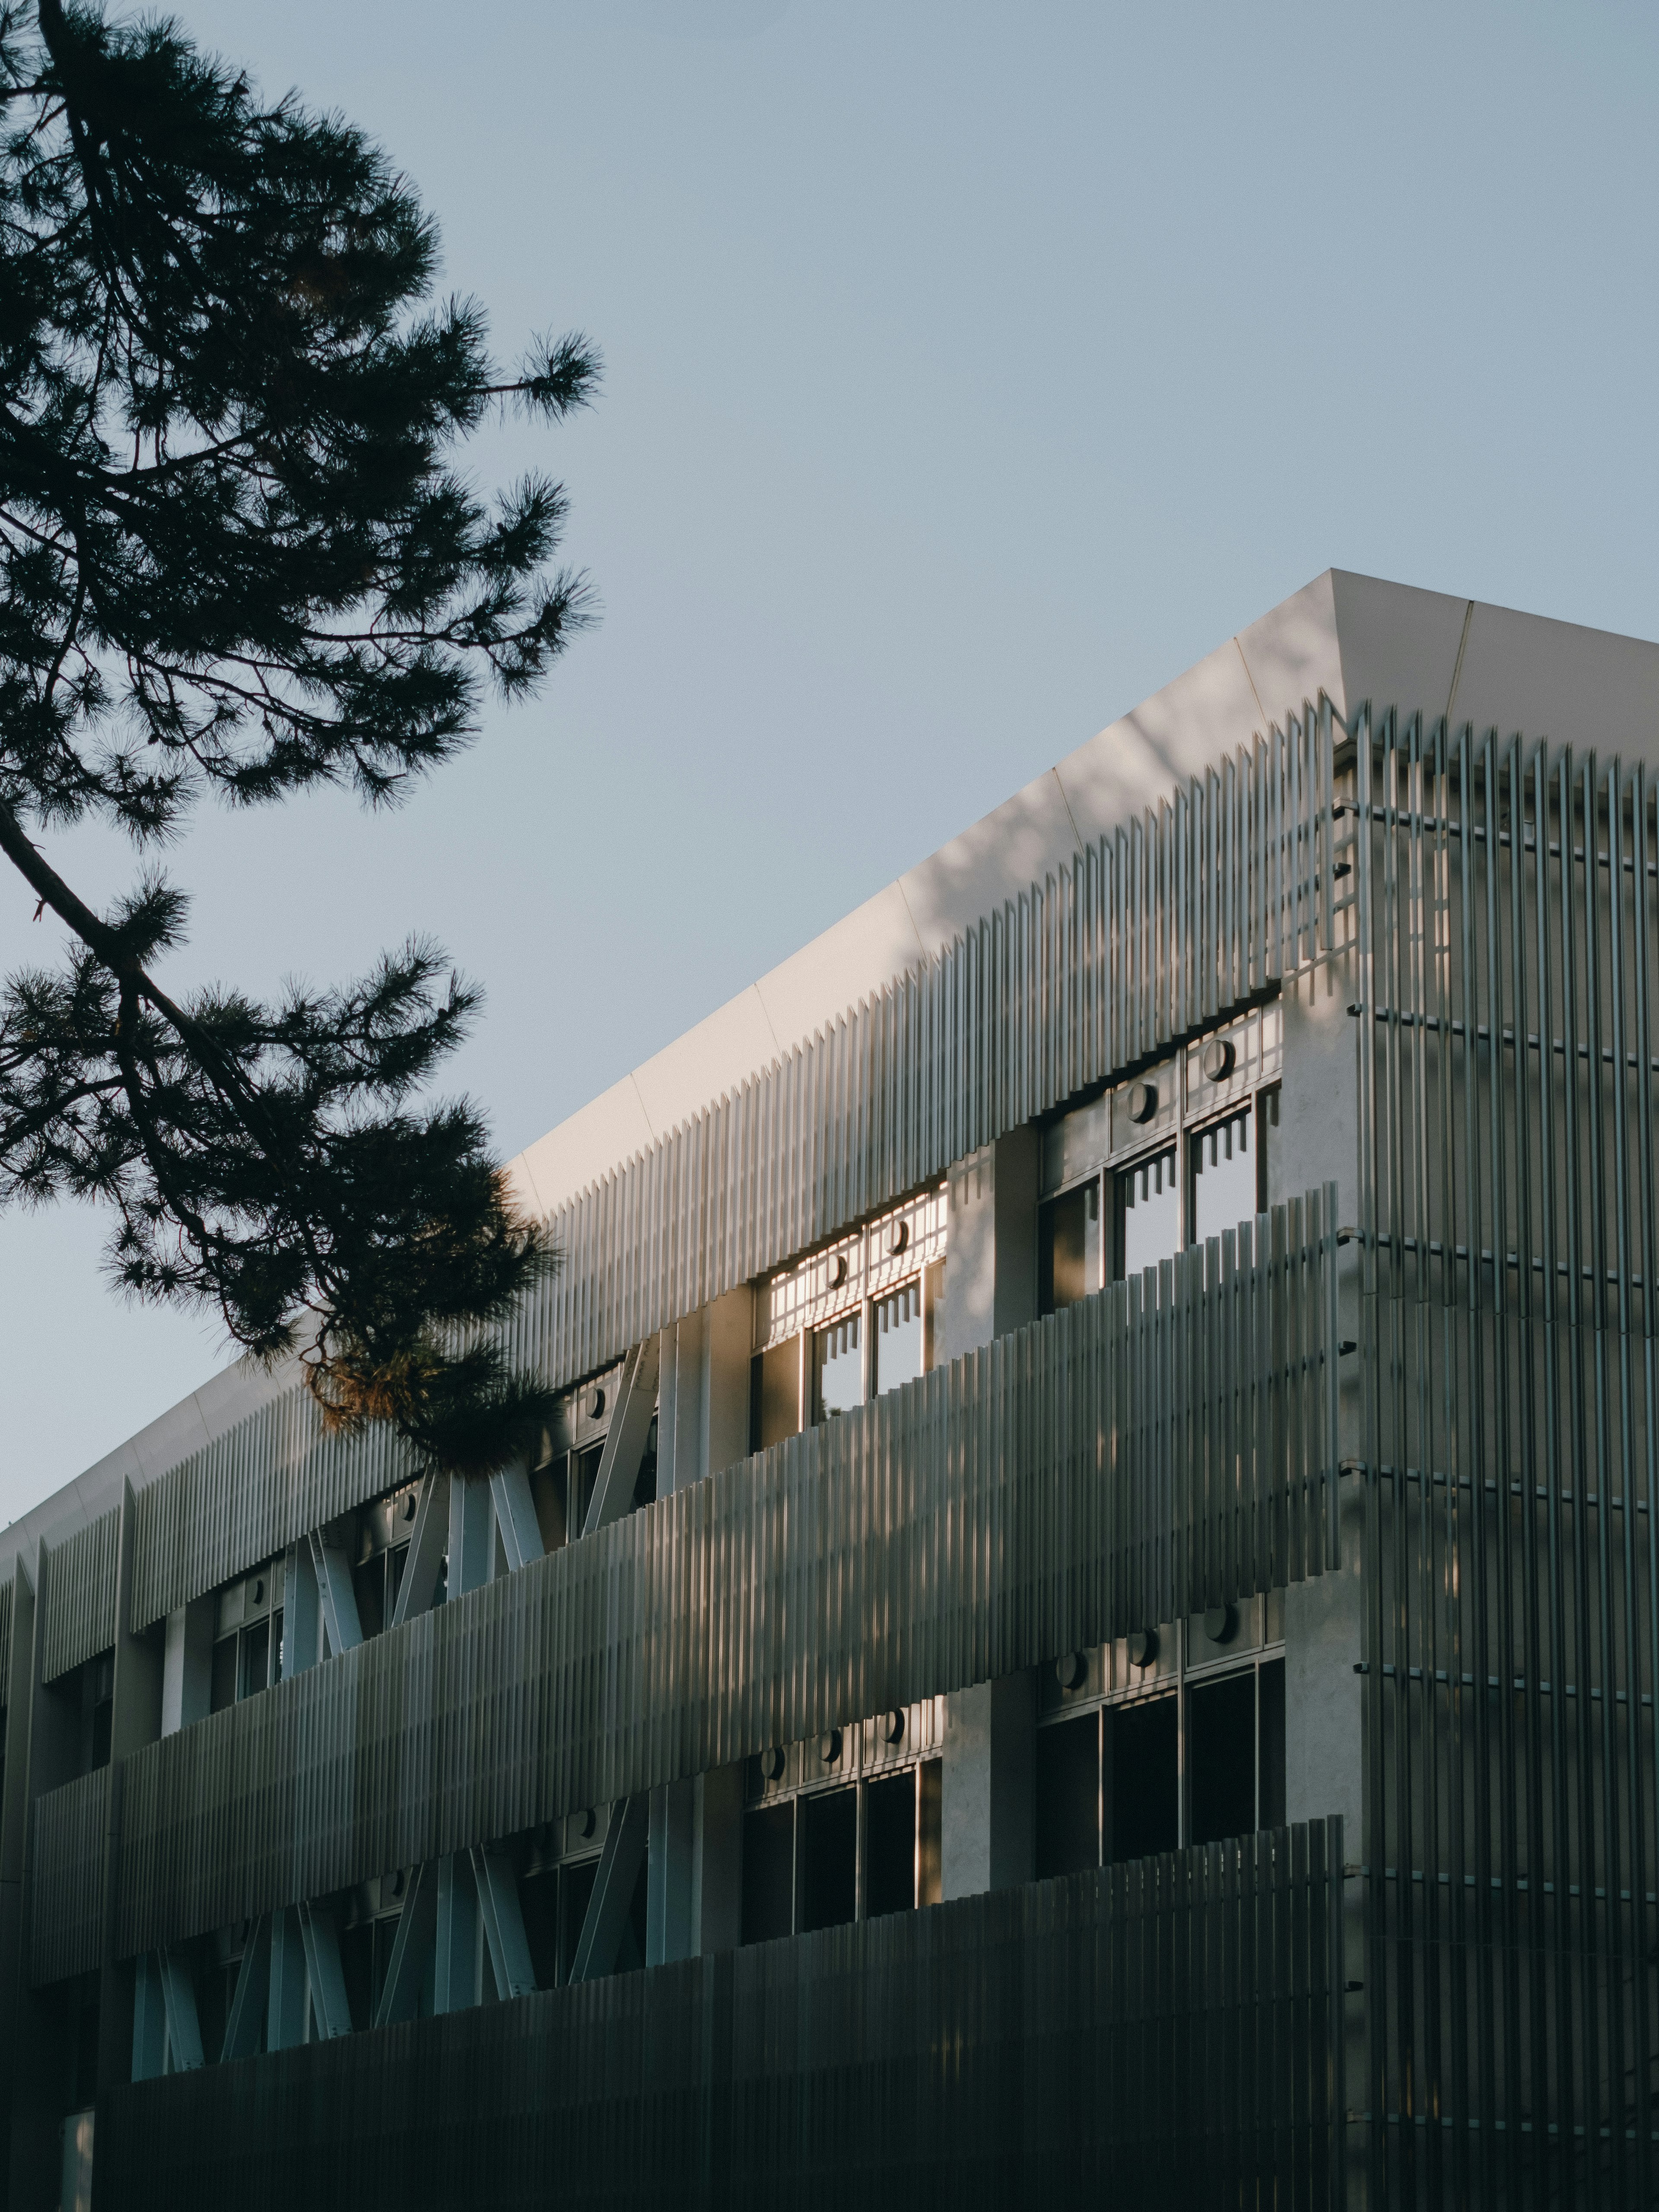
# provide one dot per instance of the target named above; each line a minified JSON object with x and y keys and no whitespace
{"x":237,"y":559}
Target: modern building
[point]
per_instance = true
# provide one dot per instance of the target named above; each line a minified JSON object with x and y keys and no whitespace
{"x":1090,"y":1619}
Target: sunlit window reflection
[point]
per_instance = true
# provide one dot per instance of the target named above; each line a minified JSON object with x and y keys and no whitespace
{"x":837,"y":1369}
{"x":1149,"y":1213}
{"x":1223,"y":1160}
{"x":898,"y":1337}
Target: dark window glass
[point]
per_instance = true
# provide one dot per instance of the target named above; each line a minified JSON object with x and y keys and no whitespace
{"x":276,"y":1652}
{"x":368,"y":1581}
{"x":897,"y":1343}
{"x":396,"y":1561}
{"x":1146,"y":1778}
{"x":255,"y":1657}
{"x":837,"y":1368}
{"x":1068,"y":1796}
{"x":539,"y":1901}
{"x":930,"y":1838}
{"x":224,"y":1674}
{"x":1068,"y":1248}
{"x":1224,"y":1166}
{"x":357,"y":1970}
{"x":549,"y":1487}
{"x":769,"y":1873}
{"x":829,"y":1858}
{"x":890,"y":1845}
{"x":587,"y":1475}
{"x":1148,"y":1204}
{"x":102,"y":1716}
{"x":1221,"y":1758}
{"x":1270,"y":1689}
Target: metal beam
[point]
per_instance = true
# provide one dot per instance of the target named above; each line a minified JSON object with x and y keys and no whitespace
{"x":427,"y":1546}
{"x":625,"y":1440}
{"x":625,"y":1841}
{"x":515,"y":1516}
{"x":245,"y":2027}
{"x":285,"y":2019}
{"x":149,"y":2021}
{"x":455,"y":1985}
{"x":333,"y":1572}
{"x":417,"y":1928}
{"x":179,"y":2000}
{"x":329,"y":2002}
{"x":301,"y":1642}
{"x":471,"y":1538}
{"x":503,"y":1921}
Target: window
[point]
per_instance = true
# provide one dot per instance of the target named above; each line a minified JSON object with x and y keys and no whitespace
{"x":1224,"y":1178}
{"x":896,"y":1341}
{"x":1145,"y":1778}
{"x":837,"y":1369}
{"x":1148,"y":1213}
{"x":1068,"y":1248}
{"x":829,"y":1857}
{"x":769,"y":1873}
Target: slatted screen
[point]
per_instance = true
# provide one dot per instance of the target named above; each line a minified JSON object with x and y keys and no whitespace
{"x":1119,"y":1464}
{"x":1164,"y":2033}
{"x":1507,"y":1010}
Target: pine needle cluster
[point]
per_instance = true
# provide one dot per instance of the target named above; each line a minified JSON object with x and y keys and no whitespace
{"x":239,"y":559}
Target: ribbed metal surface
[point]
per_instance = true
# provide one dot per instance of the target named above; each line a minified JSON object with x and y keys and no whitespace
{"x":1162,"y":2033}
{"x":239,"y":1499}
{"x":1167,"y":1444}
{"x":1154,"y":932}
{"x":5,"y":1640}
{"x":1509,"y":1019}
{"x":66,"y":1923}
{"x":80,"y":1596}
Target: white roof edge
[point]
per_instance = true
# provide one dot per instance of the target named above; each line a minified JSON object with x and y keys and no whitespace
{"x":1353,"y":637}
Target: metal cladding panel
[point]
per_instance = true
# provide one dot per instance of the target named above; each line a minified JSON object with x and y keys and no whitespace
{"x":1165,"y":1445}
{"x":5,"y":1641}
{"x":251,"y":1492}
{"x":80,"y":1596}
{"x":66,"y":1920}
{"x":1508,"y":1019}
{"x":1165,"y":2031}
{"x":1155,"y":932}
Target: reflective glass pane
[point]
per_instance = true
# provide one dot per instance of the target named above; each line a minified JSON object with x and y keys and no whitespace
{"x":1149,"y":1213}
{"x":837,"y":1369}
{"x":1224,"y":1166}
{"x":898,"y":1337}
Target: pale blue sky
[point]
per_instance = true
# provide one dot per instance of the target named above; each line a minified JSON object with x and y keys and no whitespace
{"x":971,"y":371}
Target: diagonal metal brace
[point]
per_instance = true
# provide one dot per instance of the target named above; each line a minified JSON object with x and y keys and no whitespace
{"x":625,"y":1842}
{"x":625,"y":1441}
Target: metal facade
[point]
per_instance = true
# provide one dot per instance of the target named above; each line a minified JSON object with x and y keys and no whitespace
{"x":1473,"y":1371}
{"x":1125,"y":1461}
{"x":1507,"y":1029}
{"x":1168,"y":2031}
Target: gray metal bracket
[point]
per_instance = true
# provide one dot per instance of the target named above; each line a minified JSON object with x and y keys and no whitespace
{"x":417,"y":1929}
{"x":625,"y":1440}
{"x":515,"y":1516}
{"x":427,"y":1546}
{"x":625,"y":1842}
{"x":503,"y":1921}
{"x":179,"y":1999}
{"x":327,"y":1977}
{"x":333,"y":1572}
{"x":244,"y":2029}
{"x":149,"y":2021}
